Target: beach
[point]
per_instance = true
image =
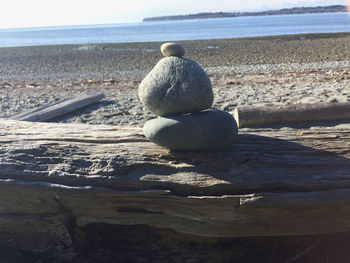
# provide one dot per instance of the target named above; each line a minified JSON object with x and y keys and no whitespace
{"x":278,"y":70}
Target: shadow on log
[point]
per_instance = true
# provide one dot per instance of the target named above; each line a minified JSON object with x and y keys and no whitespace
{"x":117,"y":243}
{"x":59,"y":182}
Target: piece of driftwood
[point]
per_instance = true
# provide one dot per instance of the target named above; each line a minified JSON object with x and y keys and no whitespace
{"x":271,"y":182}
{"x":57,"y":109}
{"x":248,"y":116}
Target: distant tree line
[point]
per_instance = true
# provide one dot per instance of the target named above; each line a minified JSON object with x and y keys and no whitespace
{"x":284,"y":11}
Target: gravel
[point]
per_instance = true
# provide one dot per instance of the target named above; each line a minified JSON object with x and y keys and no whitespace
{"x":34,"y":76}
{"x":124,"y":60}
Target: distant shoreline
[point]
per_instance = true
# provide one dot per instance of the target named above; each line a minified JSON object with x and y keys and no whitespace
{"x":195,"y":29}
{"x":273,"y":70}
{"x":285,"y":11}
{"x":135,"y":60}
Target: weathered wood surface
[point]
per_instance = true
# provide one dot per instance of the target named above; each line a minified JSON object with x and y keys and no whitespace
{"x":248,"y":116}
{"x":57,"y":109}
{"x":271,"y":182}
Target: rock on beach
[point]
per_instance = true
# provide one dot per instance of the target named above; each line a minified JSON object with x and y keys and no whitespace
{"x":172,"y":49}
{"x":176,"y":85}
{"x":209,"y":129}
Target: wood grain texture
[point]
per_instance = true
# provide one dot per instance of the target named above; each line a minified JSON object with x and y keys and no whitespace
{"x":271,"y":182}
{"x":248,"y":116}
{"x":56,"y":109}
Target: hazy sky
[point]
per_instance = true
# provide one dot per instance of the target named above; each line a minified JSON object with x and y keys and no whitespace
{"x":29,"y":13}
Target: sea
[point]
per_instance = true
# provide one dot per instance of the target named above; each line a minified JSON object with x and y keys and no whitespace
{"x":235,"y":27}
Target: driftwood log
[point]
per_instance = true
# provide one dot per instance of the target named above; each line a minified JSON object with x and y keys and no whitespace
{"x":57,"y":109}
{"x":248,"y":116}
{"x":271,"y":182}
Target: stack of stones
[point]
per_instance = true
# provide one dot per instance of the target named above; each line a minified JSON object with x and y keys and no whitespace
{"x":180,"y":92}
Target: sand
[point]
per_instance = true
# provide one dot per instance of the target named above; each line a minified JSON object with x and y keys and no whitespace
{"x":251,"y":71}
{"x":277,"y":70}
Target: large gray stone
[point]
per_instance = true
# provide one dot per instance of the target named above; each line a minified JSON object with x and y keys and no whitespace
{"x":208,"y":129}
{"x":176,"y":85}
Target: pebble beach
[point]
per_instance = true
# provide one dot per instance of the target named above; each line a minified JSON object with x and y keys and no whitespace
{"x":278,"y":70}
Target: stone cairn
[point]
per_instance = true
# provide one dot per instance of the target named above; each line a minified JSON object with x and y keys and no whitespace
{"x":180,"y":92}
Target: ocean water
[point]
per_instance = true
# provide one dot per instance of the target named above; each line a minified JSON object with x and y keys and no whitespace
{"x":178,"y":30}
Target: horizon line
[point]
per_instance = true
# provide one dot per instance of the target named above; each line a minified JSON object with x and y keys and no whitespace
{"x":141,"y":21}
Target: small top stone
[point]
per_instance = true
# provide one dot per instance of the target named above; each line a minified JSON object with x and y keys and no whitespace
{"x":172,"y":49}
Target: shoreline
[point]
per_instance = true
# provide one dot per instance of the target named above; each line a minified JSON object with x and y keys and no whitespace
{"x":135,"y":59}
{"x":284,"y":11}
{"x":39,"y":76}
{"x":260,"y":71}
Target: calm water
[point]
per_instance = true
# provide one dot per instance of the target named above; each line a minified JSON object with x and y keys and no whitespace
{"x":178,"y":30}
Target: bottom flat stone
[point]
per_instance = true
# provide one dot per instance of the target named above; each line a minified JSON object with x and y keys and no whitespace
{"x":209,"y":129}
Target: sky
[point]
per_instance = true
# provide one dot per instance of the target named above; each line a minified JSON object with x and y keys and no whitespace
{"x":33,"y":13}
